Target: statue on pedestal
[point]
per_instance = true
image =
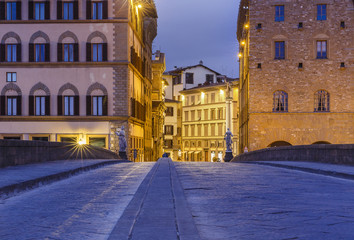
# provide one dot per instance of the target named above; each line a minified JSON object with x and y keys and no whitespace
{"x":228,"y":138}
{"x":122,"y":143}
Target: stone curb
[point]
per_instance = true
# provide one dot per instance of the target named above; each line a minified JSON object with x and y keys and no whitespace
{"x":124,"y":227}
{"x":306,"y":169}
{"x":185,"y":223}
{"x":10,"y":190}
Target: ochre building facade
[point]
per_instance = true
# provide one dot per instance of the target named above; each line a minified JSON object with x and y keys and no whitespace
{"x":296,"y":72}
{"x":77,"y":71}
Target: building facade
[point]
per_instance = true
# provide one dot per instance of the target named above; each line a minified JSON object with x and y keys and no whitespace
{"x":206,"y":117}
{"x":77,"y":71}
{"x":173,"y":129}
{"x":158,"y":104}
{"x":296,"y":72}
{"x":198,"y":101}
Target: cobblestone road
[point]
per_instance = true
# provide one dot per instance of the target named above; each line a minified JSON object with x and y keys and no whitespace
{"x":86,"y":206}
{"x":210,"y":200}
{"x":243,"y":201}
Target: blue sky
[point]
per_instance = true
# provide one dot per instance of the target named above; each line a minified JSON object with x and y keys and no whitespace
{"x":194,"y":30}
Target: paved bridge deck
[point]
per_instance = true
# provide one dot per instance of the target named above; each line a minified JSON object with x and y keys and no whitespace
{"x":167,"y":200}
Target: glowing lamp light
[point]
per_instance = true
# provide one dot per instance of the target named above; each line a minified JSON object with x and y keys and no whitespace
{"x":243,"y":43}
{"x":139,"y":6}
{"x":182,"y":97}
{"x":203,"y":95}
{"x":247,"y":26}
{"x":240,"y":55}
{"x":221,"y":91}
{"x":81,"y":142}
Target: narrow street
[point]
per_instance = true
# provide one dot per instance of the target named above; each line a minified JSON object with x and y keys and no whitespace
{"x":167,"y":200}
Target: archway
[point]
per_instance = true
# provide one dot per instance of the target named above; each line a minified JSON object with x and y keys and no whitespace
{"x":279,"y":144}
{"x":321,"y":142}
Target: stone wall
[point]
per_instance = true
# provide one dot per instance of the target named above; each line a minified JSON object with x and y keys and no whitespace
{"x":300,"y":124}
{"x":325,"y":153}
{"x":16,"y":152}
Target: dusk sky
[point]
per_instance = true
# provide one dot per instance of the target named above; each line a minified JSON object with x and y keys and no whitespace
{"x":194,"y":30}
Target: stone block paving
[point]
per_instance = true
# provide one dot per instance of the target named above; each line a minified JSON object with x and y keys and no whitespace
{"x":86,"y":206}
{"x":247,"y":201}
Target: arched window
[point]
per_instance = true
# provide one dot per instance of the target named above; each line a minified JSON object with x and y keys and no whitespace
{"x":96,"y":47}
{"x":321,"y":101}
{"x":280,"y":101}
{"x":11,"y":100}
{"x":68,"y":101}
{"x":97,"y":100}
{"x":39,"y":100}
{"x":39,"y":47}
{"x":68,"y":47}
{"x":10,"y":48}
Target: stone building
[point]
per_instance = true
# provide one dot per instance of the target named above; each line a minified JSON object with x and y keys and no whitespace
{"x":173,"y":129}
{"x":158,"y":104}
{"x":77,"y":71}
{"x":296,"y":72}
{"x":197,"y":98}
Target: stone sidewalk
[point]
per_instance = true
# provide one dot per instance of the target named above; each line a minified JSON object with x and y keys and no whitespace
{"x":19,"y":178}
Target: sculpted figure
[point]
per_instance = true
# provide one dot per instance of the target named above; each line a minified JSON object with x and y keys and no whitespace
{"x":228,"y":139}
{"x":122,"y":141}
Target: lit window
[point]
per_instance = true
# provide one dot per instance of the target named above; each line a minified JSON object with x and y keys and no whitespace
{"x":68,"y":105}
{"x":39,"y":11}
{"x":11,"y":106}
{"x":68,"y":52}
{"x":11,"y":77}
{"x":321,"y":12}
{"x":280,"y":50}
{"x":321,"y":49}
{"x":39,"y":52}
{"x":280,"y":101}
{"x":68,"y":10}
{"x":11,"y":52}
{"x":97,"y":105}
{"x":40,"y":106}
{"x":97,"y":10}
{"x":321,"y":101}
{"x":11,"y":11}
{"x":279,"y":13}
{"x":97,"y":52}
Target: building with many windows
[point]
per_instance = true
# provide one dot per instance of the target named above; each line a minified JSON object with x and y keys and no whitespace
{"x":158,"y":103}
{"x":76,"y":71}
{"x":296,"y":72}
{"x":201,"y":105}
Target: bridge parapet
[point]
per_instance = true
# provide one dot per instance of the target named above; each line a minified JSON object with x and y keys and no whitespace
{"x":324,"y":153}
{"x":17,"y":152}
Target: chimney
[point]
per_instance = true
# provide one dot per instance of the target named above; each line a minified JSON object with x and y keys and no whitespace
{"x":201,"y":62}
